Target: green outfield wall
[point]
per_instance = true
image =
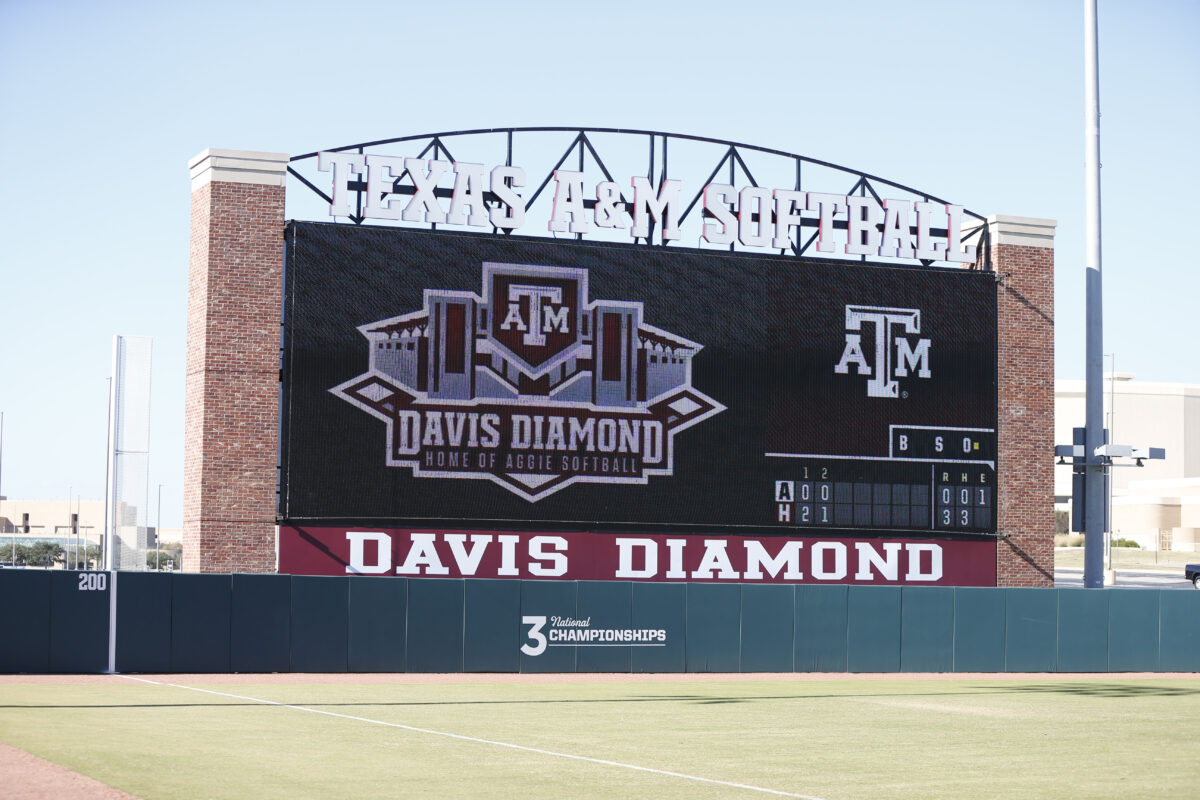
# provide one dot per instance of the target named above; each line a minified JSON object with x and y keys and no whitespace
{"x":57,"y":622}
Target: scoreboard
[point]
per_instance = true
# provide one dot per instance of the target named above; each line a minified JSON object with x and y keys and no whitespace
{"x":939,"y":479}
{"x":484,"y":382}
{"x":892,"y":495}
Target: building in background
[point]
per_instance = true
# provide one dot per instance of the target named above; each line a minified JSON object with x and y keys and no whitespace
{"x":51,"y":521}
{"x":1157,"y":505}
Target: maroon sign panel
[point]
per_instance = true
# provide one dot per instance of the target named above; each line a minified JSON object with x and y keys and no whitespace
{"x":431,"y":553}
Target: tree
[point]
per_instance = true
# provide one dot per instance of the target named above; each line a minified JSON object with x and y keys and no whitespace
{"x":90,"y":557}
{"x":169,"y":558}
{"x":44,"y":554}
{"x":18,"y":554}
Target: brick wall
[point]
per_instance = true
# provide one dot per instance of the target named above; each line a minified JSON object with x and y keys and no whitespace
{"x":235,"y":286}
{"x":1026,"y":425}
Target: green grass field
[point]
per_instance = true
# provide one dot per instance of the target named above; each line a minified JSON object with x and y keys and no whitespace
{"x":1103,"y":737}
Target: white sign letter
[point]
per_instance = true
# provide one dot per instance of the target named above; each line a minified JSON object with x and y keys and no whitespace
{"x":896,"y":241}
{"x":468,"y":193}
{"x":382,"y":172}
{"x":963,"y":254}
{"x":715,"y":558}
{"x":625,"y":568}
{"x":826,"y":205}
{"x":915,"y":573}
{"x":927,"y":248}
{"x":818,"y":570}
{"x":752,"y":201}
{"x":868,"y":557}
{"x":863,"y":236}
{"x":715,"y":196}
{"x":537,"y":553}
{"x":467,"y":561}
{"x":756,"y":558}
{"x":422,"y":553}
{"x":664,"y":207}
{"x":568,"y":199}
{"x":425,"y":174}
{"x":383,"y":557}
{"x":511,"y":213}
{"x":788,"y":205}
{"x":343,"y":165}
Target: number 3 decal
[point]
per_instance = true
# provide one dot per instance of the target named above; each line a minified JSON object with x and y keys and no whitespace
{"x":535,"y":635}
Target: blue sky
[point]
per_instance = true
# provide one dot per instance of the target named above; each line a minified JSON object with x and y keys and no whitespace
{"x":103,"y":105}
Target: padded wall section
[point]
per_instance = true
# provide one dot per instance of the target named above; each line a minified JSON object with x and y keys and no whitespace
{"x":320,"y":624}
{"x":1179,"y":629}
{"x":713,"y":627}
{"x":547,"y":599}
{"x":492,"y":632}
{"x":377,"y":626}
{"x":820,"y":632}
{"x":873,"y":629}
{"x":768,"y":628}
{"x":144,"y":621}
{"x":1082,"y":630}
{"x":435,"y":625}
{"x":661,"y":606}
{"x":927,"y":629}
{"x":979,"y":634}
{"x":200,"y":609}
{"x":607,"y":605}
{"x":1031,"y":630}
{"x":1133,"y":630}
{"x":260,"y":623}
{"x":79,"y":621}
{"x":25,"y":644}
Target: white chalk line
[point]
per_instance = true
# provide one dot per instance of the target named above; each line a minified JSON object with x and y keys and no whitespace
{"x":493,"y":742}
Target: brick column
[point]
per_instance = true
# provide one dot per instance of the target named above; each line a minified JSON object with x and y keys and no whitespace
{"x":1021,"y":252}
{"x":231,"y":425}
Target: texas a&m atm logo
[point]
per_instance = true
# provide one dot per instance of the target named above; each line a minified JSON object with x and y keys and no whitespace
{"x":895,"y":354}
{"x":530,"y":385}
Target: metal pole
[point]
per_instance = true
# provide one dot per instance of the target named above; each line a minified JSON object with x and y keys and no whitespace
{"x":158,"y":534}
{"x":1093,"y":560}
{"x":107,"y":534}
{"x":111,"y":563}
{"x":150,"y":393}
{"x":112,"y":622}
{"x":14,"y":539}
{"x":1112,"y":437}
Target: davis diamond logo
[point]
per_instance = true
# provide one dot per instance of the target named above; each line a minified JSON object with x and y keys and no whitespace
{"x":885,"y":322}
{"x":531,"y":386}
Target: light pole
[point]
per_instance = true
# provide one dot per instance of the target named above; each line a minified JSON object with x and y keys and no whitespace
{"x":1093,"y":546}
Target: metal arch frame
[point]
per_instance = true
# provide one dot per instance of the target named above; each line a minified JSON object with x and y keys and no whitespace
{"x":864,"y":182}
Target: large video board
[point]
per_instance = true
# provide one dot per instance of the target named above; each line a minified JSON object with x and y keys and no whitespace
{"x":485,"y":382}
